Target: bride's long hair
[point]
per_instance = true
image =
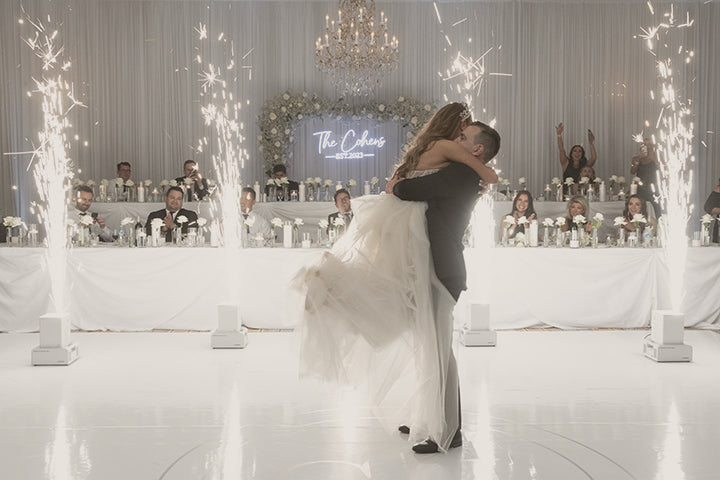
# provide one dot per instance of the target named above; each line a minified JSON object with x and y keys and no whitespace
{"x":446,"y":124}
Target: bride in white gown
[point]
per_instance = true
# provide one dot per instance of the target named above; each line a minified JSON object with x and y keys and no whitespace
{"x":368,"y":310}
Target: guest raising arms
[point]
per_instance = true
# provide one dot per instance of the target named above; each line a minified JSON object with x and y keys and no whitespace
{"x":573,"y":164}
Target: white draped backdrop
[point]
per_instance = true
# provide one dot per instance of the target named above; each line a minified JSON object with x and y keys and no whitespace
{"x":575,"y":62}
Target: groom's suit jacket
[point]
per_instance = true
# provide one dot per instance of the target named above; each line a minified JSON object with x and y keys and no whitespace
{"x":189,"y":214}
{"x":451,"y":195}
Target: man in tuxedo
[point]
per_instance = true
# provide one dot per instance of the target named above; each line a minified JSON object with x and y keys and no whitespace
{"x":196,"y":185}
{"x":83,"y":201}
{"x":451,"y":195}
{"x":342,"y":202}
{"x":170,"y":214}
{"x":255,"y":224}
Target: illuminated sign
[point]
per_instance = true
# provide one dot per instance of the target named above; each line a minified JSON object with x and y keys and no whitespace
{"x":349,"y":147}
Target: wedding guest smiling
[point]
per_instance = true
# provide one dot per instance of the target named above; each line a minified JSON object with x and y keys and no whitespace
{"x":192,"y":177}
{"x":635,"y":205}
{"x":83,"y":201}
{"x":573,"y":164}
{"x":256,"y":224}
{"x":172,"y":215}
{"x":577,"y":205}
{"x":342,"y":202}
{"x":522,"y":207}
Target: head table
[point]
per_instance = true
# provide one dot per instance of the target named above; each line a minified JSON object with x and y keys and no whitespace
{"x":115,"y":288}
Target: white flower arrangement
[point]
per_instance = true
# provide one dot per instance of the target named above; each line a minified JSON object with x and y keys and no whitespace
{"x":584,"y":180}
{"x":297,"y":223}
{"x":181,"y":219}
{"x":309,"y":180}
{"x":71,"y":223}
{"x":351,"y":183}
{"x":105,"y":182}
{"x":318,"y":180}
{"x":621,"y":181}
{"x":12,"y":222}
{"x":173,"y":183}
{"x":638,"y":218}
{"x":338,"y":221}
{"x":90,"y":183}
{"x":520,"y":240}
{"x":76,"y":182}
{"x":597,"y":180}
{"x":560,"y":221}
{"x":328,"y":182}
{"x":637,"y":180}
{"x":548,"y":222}
{"x":271,"y":182}
{"x":505,"y":182}
{"x":157,"y":223}
{"x":211,"y":182}
{"x":276,"y":222}
{"x":620,"y":221}
{"x":250,"y":221}
{"x":323,"y":224}
{"x":126,"y":221}
{"x":556,"y":181}
{"x":706,"y":219}
{"x":579,"y":220}
{"x":119,"y":182}
{"x":86,"y":220}
{"x":523,"y":183}
{"x":147,"y":182}
{"x":164,"y":183}
{"x":130,"y":183}
{"x":569,"y":181}
{"x":522,"y":220}
{"x":509,"y":221}
{"x":374,"y":180}
{"x":597,"y":220}
{"x":201,"y":221}
{"x":282,"y":114}
{"x":188,"y":181}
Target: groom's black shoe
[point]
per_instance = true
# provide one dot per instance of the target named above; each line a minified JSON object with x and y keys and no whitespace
{"x":428,"y":446}
{"x":404,"y":429}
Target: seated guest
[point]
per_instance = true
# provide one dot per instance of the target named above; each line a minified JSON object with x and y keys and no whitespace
{"x":257,"y":225}
{"x":342,"y":202}
{"x":577,"y":205}
{"x":645,"y":166}
{"x":123,"y":171}
{"x":634,"y":205}
{"x":522,"y":207}
{"x":712,"y":206}
{"x":279,"y":172}
{"x":169,"y":215}
{"x":197,"y":186}
{"x":83,"y":201}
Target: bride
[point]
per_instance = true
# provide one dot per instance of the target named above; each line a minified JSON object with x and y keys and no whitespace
{"x":367,"y":305}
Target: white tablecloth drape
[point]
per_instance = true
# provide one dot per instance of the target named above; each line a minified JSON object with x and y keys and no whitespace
{"x":179,"y":288}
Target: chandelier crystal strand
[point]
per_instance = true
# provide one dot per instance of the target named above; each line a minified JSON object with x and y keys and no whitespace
{"x":356,"y":51}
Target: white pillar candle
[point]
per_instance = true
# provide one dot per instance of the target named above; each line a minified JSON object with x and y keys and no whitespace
{"x":141,"y":193}
{"x":287,"y":235}
{"x":603,"y":194}
{"x":258,"y":194}
{"x":301,"y":191}
{"x":633,"y":188}
{"x":366,"y":188}
{"x":533,"y":232}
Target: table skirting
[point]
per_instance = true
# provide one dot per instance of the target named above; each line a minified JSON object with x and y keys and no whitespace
{"x":139,"y":289}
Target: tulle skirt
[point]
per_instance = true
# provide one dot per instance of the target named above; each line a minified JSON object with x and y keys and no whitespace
{"x":369,"y":317}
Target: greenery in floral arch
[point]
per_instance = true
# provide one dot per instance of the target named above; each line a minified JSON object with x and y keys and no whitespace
{"x":280,"y":115}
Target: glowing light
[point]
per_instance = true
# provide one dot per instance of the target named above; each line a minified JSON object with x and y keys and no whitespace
{"x":674,"y":148}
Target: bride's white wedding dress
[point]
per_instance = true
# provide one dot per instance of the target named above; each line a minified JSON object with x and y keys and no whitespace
{"x":368,"y":313}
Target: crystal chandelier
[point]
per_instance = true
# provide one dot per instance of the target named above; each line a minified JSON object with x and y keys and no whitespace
{"x":356,"y":51}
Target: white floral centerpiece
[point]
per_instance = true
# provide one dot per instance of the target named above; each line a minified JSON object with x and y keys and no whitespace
{"x":349,"y":184}
{"x":130,"y":183}
{"x":560,"y":221}
{"x":275,"y":223}
{"x":548,"y":222}
{"x":621,"y":182}
{"x":12,"y":222}
{"x":598,"y":220}
{"x":520,"y":240}
{"x":569,"y":181}
{"x":90,"y":183}
{"x":523,"y":220}
{"x":597,"y":180}
{"x":580,"y":221}
{"x":706,"y":219}
{"x":125,"y":221}
{"x":620,"y":221}
{"x":147,"y":183}
{"x":280,"y":116}
{"x":638,"y":219}
{"x":173,"y":183}
{"x":523,"y":183}
{"x":297,"y":224}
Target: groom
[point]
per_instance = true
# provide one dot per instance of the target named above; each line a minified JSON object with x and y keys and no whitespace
{"x":451,"y":195}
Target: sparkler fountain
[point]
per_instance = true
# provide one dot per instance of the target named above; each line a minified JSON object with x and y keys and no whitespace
{"x":53,"y":175}
{"x":674,"y":185}
{"x":223,"y":113}
{"x":465,"y":78}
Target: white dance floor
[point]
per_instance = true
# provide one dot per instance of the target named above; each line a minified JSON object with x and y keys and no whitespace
{"x":541,"y":405}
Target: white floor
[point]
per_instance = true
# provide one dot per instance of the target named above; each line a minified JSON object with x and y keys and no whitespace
{"x":553,"y":405}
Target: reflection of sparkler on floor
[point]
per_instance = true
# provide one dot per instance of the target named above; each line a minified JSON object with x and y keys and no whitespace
{"x":53,"y":176}
{"x":674,"y":149}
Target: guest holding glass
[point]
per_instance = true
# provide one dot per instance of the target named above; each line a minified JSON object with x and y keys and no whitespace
{"x":573,"y":164}
{"x":712,"y":207}
{"x":645,"y":166}
{"x":577,"y":205}
{"x":172,"y":214}
{"x":522,"y":207}
{"x":256,"y":225}
{"x":279,"y":172}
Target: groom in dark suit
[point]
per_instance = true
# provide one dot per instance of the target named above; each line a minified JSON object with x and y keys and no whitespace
{"x":451,"y":195}
{"x":170,"y":214}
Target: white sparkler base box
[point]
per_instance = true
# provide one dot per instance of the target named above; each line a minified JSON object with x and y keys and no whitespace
{"x":230,"y":332}
{"x":666,"y":339}
{"x":477,"y":333}
{"x":55,"y":346}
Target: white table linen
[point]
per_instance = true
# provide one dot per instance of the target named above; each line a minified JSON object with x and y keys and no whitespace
{"x":116,"y":288}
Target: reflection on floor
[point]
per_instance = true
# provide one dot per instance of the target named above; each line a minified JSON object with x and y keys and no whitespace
{"x":541,"y":405}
